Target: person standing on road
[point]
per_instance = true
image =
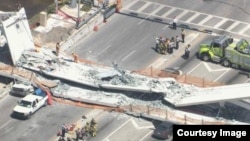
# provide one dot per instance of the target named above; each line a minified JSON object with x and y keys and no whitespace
{"x":183,"y":34}
{"x":64,"y":128}
{"x":174,"y":22}
{"x":177,"y":40}
{"x":78,"y":134}
{"x":187,"y":51}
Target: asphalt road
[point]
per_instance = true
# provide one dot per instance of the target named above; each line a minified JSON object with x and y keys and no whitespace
{"x":43,"y":125}
{"x":128,"y":38}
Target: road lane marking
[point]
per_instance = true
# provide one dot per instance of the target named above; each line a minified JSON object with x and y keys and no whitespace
{"x":125,"y":57}
{"x":8,"y":130}
{"x":5,"y":124}
{"x":192,"y":17}
{"x":140,"y":127}
{"x":184,"y":12}
{"x":213,"y":70}
{"x":30,"y":130}
{"x":157,"y":63}
{"x":104,"y":50}
{"x":143,"y":20}
{"x":194,"y":68}
{"x":232,"y":26}
{"x":150,"y":132}
{"x":107,"y":138}
{"x":222,"y":75}
{"x":220,"y":23}
{"x":205,"y":20}
{"x":144,"y":6}
{"x":244,"y":29}
{"x":169,"y":12}
{"x":216,"y":26}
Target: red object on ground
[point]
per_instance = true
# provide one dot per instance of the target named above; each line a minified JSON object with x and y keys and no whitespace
{"x":95,"y":28}
{"x":49,"y":97}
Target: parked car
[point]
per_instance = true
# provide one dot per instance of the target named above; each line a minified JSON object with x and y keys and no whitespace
{"x":21,"y":88}
{"x":164,"y":130}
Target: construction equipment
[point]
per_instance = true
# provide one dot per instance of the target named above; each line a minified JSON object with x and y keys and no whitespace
{"x":223,"y":50}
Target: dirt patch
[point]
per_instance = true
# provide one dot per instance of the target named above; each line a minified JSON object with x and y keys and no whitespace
{"x":57,"y":34}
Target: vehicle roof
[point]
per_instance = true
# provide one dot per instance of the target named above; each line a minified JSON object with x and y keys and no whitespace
{"x":221,"y":39}
{"x":21,"y":86}
{"x":31,"y":97}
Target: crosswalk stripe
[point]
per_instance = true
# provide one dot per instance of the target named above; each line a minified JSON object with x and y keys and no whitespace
{"x":130,"y":4}
{"x":205,"y":20}
{"x":244,"y":29}
{"x":232,"y":26}
{"x":168,"y":12}
{"x":193,"y":17}
{"x":144,"y":6}
{"x":157,"y":10}
{"x":184,"y":12}
{"x":225,"y":24}
{"x":220,"y":23}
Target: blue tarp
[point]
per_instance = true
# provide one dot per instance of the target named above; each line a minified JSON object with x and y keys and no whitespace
{"x":40,"y":92}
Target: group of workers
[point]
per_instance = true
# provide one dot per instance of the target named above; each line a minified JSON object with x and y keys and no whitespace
{"x":88,"y":129}
{"x":166,"y":45}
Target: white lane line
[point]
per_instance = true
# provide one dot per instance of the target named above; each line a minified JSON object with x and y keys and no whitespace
{"x":244,"y":29}
{"x":150,"y":132}
{"x":232,"y":26}
{"x":5,"y":124}
{"x":169,"y":12}
{"x":140,"y":127}
{"x":107,"y":137}
{"x":220,"y":23}
{"x":143,"y":20}
{"x":205,"y":20}
{"x":192,"y":17}
{"x":222,"y":75}
{"x":184,"y":12}
{"x":104,"y":50}
{"x":132,"y":52}
{"x":130,"y":4}
{"x":30,"y":130}
{"x":157,"y":10}
{"x":8,"y":130}
{"x":213,"y":70}
{"x":194,"y":68}
{"x":144,"y":6}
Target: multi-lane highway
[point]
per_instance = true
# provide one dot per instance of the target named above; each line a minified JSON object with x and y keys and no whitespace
{"x":128,"y":38}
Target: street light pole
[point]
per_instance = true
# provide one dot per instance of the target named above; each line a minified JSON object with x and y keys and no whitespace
{"x":78,"y":14}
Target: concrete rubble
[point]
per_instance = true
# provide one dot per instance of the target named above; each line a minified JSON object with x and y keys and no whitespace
{"x":112,"y":86}
{"x":104,"y":82}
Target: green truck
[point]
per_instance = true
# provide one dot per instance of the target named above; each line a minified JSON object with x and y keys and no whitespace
{"x":223,"y":50}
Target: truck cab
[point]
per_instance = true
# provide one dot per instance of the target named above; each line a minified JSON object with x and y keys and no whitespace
{"x":216,"y":50}
{"x":30,"y":104}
